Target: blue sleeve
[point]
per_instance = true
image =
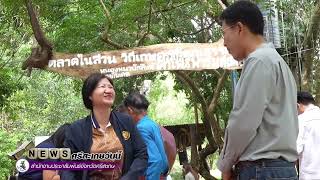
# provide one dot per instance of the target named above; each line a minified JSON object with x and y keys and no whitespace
{"x":139,"y":163}
{"x":157,"y":162}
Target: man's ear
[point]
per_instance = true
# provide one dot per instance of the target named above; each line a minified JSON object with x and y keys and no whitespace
{"x":240,"y":27}
{"x":129,"y":109}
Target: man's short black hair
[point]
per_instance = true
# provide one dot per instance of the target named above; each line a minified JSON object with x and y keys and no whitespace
{"x":137,"y":101}
{"x":57,"y":138}
{"x":305,"y":98}
{"x":89,"y":85}
{"x":245,"y":12}
{"x":121,"y":108}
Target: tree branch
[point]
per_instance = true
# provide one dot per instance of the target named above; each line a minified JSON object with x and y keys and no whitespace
{"x":215,"y":124}
{"x":165,"y":10}
{"x":105,"y":38}
{"x":140,"y":42}
{"x":40,"y":56}
{"x":210,"y":12}
{"x":106,"y":11}
{"x":208,"y":120}
{"x":162,"y":40}
{"x":182,"y":76}
{"x":213,"y":72}
{"x":317,"y":84}
{"x":217,"y":91}
{"x":203,"y":154}
{"x":150,"y":14}
{"x":38,"y":33}
{"x":198,"y":31}
{"x":2,"y":65}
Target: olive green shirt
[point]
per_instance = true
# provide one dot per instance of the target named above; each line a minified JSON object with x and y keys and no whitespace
{"x":263,"y":122}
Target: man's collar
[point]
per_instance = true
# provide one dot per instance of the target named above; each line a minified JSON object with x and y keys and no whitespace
{"x":310,"y":107}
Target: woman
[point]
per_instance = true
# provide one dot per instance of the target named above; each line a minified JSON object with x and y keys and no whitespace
{"x":104,"y":131}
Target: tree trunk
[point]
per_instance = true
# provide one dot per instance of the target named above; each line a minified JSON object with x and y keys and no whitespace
{"x":317,"y":83}
{"x":194,"y":140}
{"x":194,"y":152}
{"x":40,"y":56}
{"x":213,"y":131}
{"x":311,"y":37}
{"x":204,"y":168}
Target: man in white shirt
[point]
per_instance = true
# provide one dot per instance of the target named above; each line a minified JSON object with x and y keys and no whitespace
{"x":308,"y":141}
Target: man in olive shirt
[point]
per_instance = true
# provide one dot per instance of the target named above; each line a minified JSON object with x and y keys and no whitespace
{"x":260,"y":138}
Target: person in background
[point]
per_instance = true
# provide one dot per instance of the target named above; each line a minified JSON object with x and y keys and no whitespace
{"x":308,"y":141}
{"x":167,"y":137}
{"x":169,"y":146}
{"x":105,"y":130}
{"x":54,"y":141}
{"x":263,"y":123}
{"x":137,"y":106}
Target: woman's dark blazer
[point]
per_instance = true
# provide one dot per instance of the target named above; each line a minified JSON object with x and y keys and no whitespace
{"x":79,"y":138}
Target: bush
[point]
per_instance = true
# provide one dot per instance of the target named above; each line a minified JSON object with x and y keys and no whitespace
{"x":8,"y":142}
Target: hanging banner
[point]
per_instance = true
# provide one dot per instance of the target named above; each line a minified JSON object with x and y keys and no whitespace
{"x":160,"y":57}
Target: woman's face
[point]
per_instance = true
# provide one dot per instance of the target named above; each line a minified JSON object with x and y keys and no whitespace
{"x":103,"y":94}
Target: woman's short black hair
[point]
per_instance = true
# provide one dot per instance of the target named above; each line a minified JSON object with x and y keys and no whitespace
{"x":89,"y":85}
{"x":137,"y":101}
{"x":245,"y":12}
{"x":305,"y":98}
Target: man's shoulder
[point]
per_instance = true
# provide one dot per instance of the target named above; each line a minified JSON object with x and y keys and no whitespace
{"x":150,"y":122}
{"x":314,"y":114}
{"x":310,"y":116}
{"x":147,"y":123}
{"x":265,"y":49}
{"x":266,"y":55}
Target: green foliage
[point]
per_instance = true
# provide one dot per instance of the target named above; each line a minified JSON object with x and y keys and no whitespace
{"x":295,"y":20}
{"x":8,"y":143}
{"x":207,"y":82}
{"x":124,"y":86}
{"x":168,"y":107}
{"x":46,"y":102}
{"x":6,"y":85}
{"x":83,"y":20}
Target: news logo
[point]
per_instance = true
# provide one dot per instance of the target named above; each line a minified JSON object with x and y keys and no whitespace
{"x":49,"y":153}
{"x":65,"y":154}
{"x":22,"y":165}
{"x":40,"y":159}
